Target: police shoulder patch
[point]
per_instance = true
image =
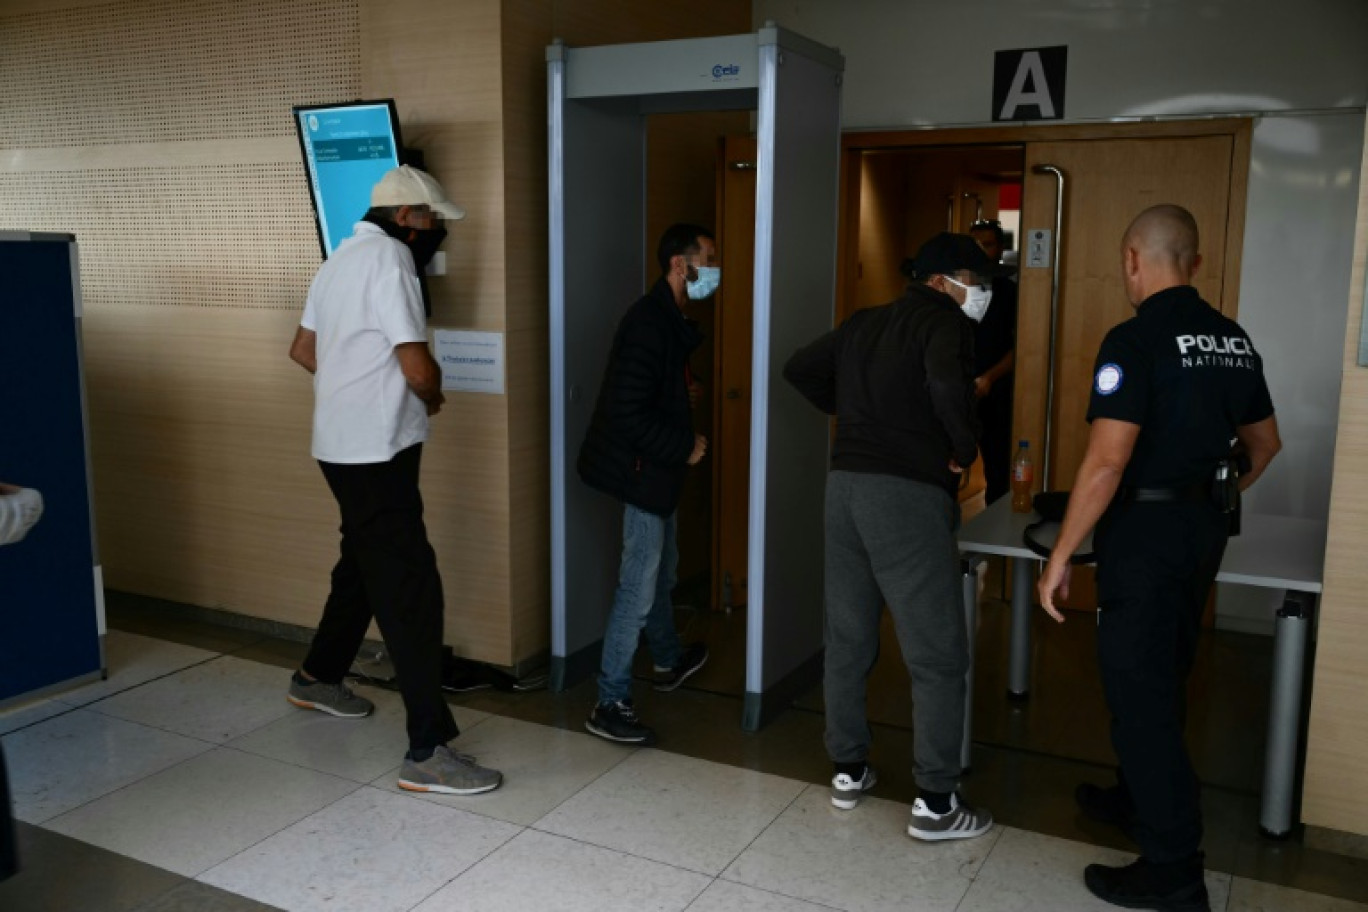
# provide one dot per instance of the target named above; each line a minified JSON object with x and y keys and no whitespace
{"x":1109,"y":377}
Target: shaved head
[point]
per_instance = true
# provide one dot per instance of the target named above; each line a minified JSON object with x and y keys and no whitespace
{"x":1158,"y":251}
{"x":1164,"y":235}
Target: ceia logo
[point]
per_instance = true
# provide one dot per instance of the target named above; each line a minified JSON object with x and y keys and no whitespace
{"x":730,"y":69}
{"x":313,"y":123}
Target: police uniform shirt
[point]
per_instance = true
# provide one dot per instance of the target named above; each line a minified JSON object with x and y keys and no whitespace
{"x":1189,"y":377}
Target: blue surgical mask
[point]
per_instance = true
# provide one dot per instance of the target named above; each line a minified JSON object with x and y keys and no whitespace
{"x":708,"y":279}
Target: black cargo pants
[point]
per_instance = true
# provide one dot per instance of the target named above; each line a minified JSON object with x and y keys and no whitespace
{"x":1156,"y":563}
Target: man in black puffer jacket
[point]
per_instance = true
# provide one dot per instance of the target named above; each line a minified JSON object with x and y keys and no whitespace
{"x":638,"y":448}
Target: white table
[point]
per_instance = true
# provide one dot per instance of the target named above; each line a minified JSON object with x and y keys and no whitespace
{"x":1274,"y":552}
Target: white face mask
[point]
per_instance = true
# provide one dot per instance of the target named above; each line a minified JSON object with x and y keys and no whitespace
{"x":976,"y":299}
{"x":708,"y":279}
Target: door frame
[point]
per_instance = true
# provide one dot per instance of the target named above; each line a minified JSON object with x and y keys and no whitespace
{"x":855,"y":143}
{"x":1028,"y":416}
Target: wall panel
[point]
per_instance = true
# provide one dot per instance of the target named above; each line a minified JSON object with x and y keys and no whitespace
{"x":1335,"y":793}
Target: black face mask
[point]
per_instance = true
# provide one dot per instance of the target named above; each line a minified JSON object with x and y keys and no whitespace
{"x":421,"y":242}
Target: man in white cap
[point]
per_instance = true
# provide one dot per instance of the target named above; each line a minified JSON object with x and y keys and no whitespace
{"x":364,"y":338}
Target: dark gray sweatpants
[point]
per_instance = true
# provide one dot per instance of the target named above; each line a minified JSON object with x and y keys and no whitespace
{"x":892,"y":540}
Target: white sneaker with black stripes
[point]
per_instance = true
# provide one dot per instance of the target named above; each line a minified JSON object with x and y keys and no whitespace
{"x":960,"y":822}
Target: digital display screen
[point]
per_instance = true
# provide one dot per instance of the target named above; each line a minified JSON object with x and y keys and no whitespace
{"x":347,"y":149}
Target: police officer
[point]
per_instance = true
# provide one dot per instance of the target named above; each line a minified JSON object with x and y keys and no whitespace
{"x":1172,"y":388}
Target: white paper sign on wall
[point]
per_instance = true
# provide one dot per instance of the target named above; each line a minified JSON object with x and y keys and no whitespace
{"x":471,"y":362}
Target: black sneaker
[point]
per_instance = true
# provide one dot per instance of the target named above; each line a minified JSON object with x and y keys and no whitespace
{"x":1171,"y":887}
{"x":1112,"y":806}
{"x":618,"y":722}
{"x":694,"y":657}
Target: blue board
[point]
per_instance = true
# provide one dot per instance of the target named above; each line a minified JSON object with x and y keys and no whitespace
{"x":347,"y":149}
{"x":49,"y":624}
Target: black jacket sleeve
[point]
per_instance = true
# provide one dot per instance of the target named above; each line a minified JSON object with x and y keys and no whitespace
{"x":949,"y":358}
{"x":812,"y":371}
{"x":638,"y":383}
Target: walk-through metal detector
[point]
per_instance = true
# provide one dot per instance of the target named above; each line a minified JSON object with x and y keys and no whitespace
{"x":601,"y":261}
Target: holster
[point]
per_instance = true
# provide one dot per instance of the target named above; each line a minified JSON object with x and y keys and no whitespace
{"x":1225,"y":491}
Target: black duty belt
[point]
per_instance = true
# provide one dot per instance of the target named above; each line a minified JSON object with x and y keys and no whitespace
{"x":1193,"y":493}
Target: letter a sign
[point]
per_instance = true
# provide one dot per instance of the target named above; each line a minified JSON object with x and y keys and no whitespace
{"x":1028,"y":84}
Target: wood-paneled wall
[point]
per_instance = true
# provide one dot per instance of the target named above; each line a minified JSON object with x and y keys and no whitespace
{"x":197,"y":251}
{"x":1335,"y":793}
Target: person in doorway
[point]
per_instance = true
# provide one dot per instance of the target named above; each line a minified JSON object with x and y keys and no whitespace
{"x":364,"y":338}
{"x":1173,"y":386}
{"x":639,"y":445}
{"x":994,"y":359}
{"x":20,"y":509}
{"x":899,"y":379}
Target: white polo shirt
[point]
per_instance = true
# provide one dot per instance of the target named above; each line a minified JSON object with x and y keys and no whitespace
{"x":364,"y":301}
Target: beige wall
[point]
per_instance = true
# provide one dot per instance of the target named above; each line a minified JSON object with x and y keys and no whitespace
{"x":170,"y":152}
{"x":1335,"y":795}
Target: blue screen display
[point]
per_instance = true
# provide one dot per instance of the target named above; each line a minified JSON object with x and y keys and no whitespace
{"x":347,"y":149}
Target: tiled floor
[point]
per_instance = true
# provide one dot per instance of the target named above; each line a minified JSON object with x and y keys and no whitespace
{"x":186,"y":782}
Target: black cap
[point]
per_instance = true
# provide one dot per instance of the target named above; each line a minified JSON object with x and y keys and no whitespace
{"x":947,"y":254}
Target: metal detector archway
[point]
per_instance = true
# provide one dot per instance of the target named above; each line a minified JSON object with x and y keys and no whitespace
{"x":600,"y":263}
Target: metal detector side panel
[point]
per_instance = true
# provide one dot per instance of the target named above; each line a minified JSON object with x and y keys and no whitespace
{"x":795,"y":283}
{"x":597,"y":180}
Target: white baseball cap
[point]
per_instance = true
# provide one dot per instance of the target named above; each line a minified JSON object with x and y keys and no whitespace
{"x":406,"y":186}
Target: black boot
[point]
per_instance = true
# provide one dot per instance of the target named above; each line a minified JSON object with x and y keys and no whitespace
{"x":1175,"y":886}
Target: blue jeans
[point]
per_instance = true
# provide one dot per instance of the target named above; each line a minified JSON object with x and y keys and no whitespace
{"x":650,"y":554}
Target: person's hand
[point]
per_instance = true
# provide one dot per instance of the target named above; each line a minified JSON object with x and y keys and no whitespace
{"x":956,"y":467}
{"x":695,"y":393}
{"x":434,"y":405}
{"x":982,"y":386}
{"x":1055,"y":579}
{"x":700,"y":448}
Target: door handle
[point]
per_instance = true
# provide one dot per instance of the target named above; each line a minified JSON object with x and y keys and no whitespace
{"x":733,"y":393}
{"x":1054,"y":320}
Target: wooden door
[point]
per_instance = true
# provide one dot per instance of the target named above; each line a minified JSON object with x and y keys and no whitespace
{"x":732,"y":372}
{"x":1107,"y":183}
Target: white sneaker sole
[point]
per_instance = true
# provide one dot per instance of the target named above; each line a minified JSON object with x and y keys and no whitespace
{"x":941,"y":835}
{"x":609,"y":736}
{"x":849,"y":804}
{"x":305,"y":704}
{"x":410,"y":786}
{"x":675,"y":685}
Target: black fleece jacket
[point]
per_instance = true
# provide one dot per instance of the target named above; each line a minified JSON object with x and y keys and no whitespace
{"x":641,"y":435}
{"x":900,"y":381}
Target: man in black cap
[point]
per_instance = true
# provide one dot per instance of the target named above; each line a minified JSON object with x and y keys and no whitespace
{"x":900,"y":380}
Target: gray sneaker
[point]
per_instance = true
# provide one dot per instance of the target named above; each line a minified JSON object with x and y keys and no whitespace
{"x":846,"y":790}
{"x":333,"y":699}
{"x":960,"y":822}
{"x":449,"y":773}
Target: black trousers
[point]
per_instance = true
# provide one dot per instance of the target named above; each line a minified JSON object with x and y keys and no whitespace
{"x":9,"y":849}
{"x":387,"y":571}
{"x":995,"y":443}
{"x":1156,"y":563}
